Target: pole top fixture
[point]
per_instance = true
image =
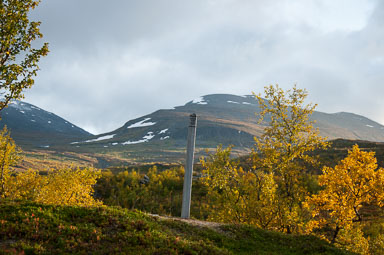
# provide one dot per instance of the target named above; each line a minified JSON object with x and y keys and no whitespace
{"x":193,"y":118}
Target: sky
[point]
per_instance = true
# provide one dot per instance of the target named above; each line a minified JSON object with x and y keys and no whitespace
{"x":113,"y":61}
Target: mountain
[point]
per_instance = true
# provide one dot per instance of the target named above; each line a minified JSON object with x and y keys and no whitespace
{"x":161,"y":136}
{"x":32,"y":126}
{"x":222,"y":119}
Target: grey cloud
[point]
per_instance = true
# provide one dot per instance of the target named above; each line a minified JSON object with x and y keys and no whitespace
{"x":88,"y":23}
{"x":114,"y":61}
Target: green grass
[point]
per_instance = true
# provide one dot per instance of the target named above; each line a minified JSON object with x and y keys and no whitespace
{"x":29,"y":228}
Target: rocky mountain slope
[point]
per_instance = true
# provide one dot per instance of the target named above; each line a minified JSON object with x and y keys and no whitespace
{"x":32,"y":126}
{"x":161,"y":135}
{"x":225,"y":119}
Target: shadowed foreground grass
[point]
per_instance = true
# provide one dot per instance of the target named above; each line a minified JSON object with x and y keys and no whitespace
{"x":29,"y":228}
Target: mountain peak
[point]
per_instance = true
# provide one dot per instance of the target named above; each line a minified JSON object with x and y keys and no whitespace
{"x":32,"y":126}
{"x":224,"y":119}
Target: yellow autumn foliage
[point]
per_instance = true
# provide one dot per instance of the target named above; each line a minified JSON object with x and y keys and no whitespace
{"x":156,"y":191}
{"x":62,"y":186}
{"x":8,"y":158}
{"x":288,"y":138}
{"x":269,"y":194}
{"x":238,"y":196}
{"x":355,"y":182}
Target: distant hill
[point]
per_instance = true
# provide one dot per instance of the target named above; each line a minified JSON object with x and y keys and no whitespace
{"x":225,"y":119}
{"x":161,"y":136}
{"x":33,"y":127}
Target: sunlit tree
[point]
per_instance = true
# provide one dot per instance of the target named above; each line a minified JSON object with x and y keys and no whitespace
{"x":270,"y":194}
{"x":356,"y":181}
{"x":63,"y":186}
{"x":9,"y":156}
{"x":288,"y":138}
{"x":238,"y":196}
{"x":18,"y":58}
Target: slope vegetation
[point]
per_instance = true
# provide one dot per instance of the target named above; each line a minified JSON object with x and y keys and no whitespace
{"x":29,"y":228}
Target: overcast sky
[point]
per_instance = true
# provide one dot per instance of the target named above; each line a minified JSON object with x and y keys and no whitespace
{"x":112,"y":61}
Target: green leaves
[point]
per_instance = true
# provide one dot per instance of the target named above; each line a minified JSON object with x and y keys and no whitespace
{"x":18,"y":59}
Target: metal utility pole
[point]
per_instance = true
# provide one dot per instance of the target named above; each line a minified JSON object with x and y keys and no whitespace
{"x":187,"y":189}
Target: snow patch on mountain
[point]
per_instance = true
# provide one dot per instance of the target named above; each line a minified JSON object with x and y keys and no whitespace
{"x":146,"y":138}
{"x":101,"y":138}
{"x":36,"y":108}
{"x":232,"y":102}
{"x":19,"y":106}
{"x":106,"y":137}
{"x":165,"y":137}
{"x":163,"y":131}
{"x":142,"y":123}
{"x":149,"y":136}
{"x":199,"y":100}
{"x":369,"y":126}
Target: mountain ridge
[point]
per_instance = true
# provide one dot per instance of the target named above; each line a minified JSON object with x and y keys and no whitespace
{"x":161,"y":135}
{"x":32,"y":126}
{"x":229,"y":116}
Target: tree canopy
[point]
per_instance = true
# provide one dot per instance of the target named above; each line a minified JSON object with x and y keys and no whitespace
{"x":270,"y":194}
{"x":18,"y":58}
{"x":355,"y":182}
{"x":284,"y":147}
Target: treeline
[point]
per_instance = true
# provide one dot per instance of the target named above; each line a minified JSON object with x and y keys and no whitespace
{"x":154,"y":191}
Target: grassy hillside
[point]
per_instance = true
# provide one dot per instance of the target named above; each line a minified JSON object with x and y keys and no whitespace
{"x":138,"y":156}
{"x":29,"y":228}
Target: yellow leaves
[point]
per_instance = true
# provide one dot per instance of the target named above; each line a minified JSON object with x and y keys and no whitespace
{"x":24,"y":185}
{"x":64,"y":186}
{"x":289,"y":133}
{"x":160,"y":194}
{"x":352,"y":238}
{"x":8,"y":158}
{"x":283,"y":148}
{"x":270,"y":194}
{"x":69,"y":187}
{"x":238,"y":196}
{"x":354,"y":182}
{"x":377,"y":244}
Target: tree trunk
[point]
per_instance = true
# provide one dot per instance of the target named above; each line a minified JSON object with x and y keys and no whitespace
{"x":335,"y":234}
